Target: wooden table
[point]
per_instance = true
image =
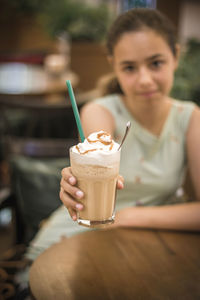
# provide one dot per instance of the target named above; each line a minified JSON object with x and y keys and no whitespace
{"x":120,"y":264}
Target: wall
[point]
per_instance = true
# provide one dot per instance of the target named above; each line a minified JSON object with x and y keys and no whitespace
{"x":89,"y":61}
{"x":189,"y":20}
{"x":23,"y":35}
{"x":171,"y":9}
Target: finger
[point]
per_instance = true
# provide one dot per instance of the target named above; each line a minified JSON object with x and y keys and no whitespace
{"x":73,"y":214}
{"x":120,"y":182}
{"x":73,"y":191}
{"x":68,"y":176}
{"x":121,"y":178}
{"x":69,"y":202}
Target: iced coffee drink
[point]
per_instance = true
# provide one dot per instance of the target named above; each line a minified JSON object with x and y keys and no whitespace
{"x":95,"y":164}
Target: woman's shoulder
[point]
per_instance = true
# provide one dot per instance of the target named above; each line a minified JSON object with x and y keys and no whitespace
{"x":111,"y":102}
{"x":184,"y":104}
{"x":111,"y":98}
{"x":183,"y":112}
{"x":101,"y":105}
{"x":183,"y":109}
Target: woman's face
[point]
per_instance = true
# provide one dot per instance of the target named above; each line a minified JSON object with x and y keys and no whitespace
{"x":144,"y":65}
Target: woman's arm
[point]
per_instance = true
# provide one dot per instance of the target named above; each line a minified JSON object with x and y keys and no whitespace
{"x":193,"y":151}
{"x":95,"y":117}
{"x":177,"y":217}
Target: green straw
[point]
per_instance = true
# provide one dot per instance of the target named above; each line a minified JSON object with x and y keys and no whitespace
{"x":75,"y":110}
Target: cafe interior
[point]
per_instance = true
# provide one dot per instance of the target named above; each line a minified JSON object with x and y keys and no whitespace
{"x":43,"y":44}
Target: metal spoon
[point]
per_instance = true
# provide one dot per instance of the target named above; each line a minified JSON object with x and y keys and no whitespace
{"x":128,"y":126}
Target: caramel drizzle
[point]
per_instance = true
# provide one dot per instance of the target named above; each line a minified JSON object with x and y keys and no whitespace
{"x":90,"y":141}
{"x":99,"y":139}
{"x":99,"y":135}
{"x":111,"y":146}
{"x":90,"y":150}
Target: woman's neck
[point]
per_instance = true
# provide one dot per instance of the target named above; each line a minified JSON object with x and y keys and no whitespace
{"x":151,"y":115}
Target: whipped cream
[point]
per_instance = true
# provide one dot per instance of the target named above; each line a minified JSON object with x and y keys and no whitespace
{"x":97,"y":143}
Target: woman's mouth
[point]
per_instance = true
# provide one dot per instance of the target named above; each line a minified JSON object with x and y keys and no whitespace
{"x":148,"y":94}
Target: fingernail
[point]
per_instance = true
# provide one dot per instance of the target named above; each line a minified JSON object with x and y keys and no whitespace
{"x":74,"y":218}
{"x":79,"y":206}
{"x":121,"y":184}
{"x":79,"y":194}
{"x":72,"y":180}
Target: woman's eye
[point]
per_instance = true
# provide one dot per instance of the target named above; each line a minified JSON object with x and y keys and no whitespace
{"x":129,"y":68}
{"x":157,"y":63}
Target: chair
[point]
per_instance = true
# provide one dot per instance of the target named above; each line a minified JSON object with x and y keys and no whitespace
{"x":36,"y":141}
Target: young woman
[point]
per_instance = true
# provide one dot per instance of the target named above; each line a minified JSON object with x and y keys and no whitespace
{"x":164,"y":140}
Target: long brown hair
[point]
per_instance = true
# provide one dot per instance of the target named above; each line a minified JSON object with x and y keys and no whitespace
{"x":135,"y":20}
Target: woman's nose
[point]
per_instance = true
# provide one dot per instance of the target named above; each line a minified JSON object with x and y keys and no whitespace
{"x":144,"y":77}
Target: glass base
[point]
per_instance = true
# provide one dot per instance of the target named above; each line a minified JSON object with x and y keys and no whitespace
{"x":96,"y":224}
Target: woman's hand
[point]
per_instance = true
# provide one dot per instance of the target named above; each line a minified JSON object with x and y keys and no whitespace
{"x":70,"y":194}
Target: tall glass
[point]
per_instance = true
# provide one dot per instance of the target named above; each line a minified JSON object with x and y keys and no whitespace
{"x":97,"y":179}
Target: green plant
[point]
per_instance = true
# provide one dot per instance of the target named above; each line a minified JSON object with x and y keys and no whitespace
{"x":81,"y":21}
{"x":187,"y":77}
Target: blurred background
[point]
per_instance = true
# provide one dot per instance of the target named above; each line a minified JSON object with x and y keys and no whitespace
{"x":43,"y":43}
{"x":30,"y":30}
